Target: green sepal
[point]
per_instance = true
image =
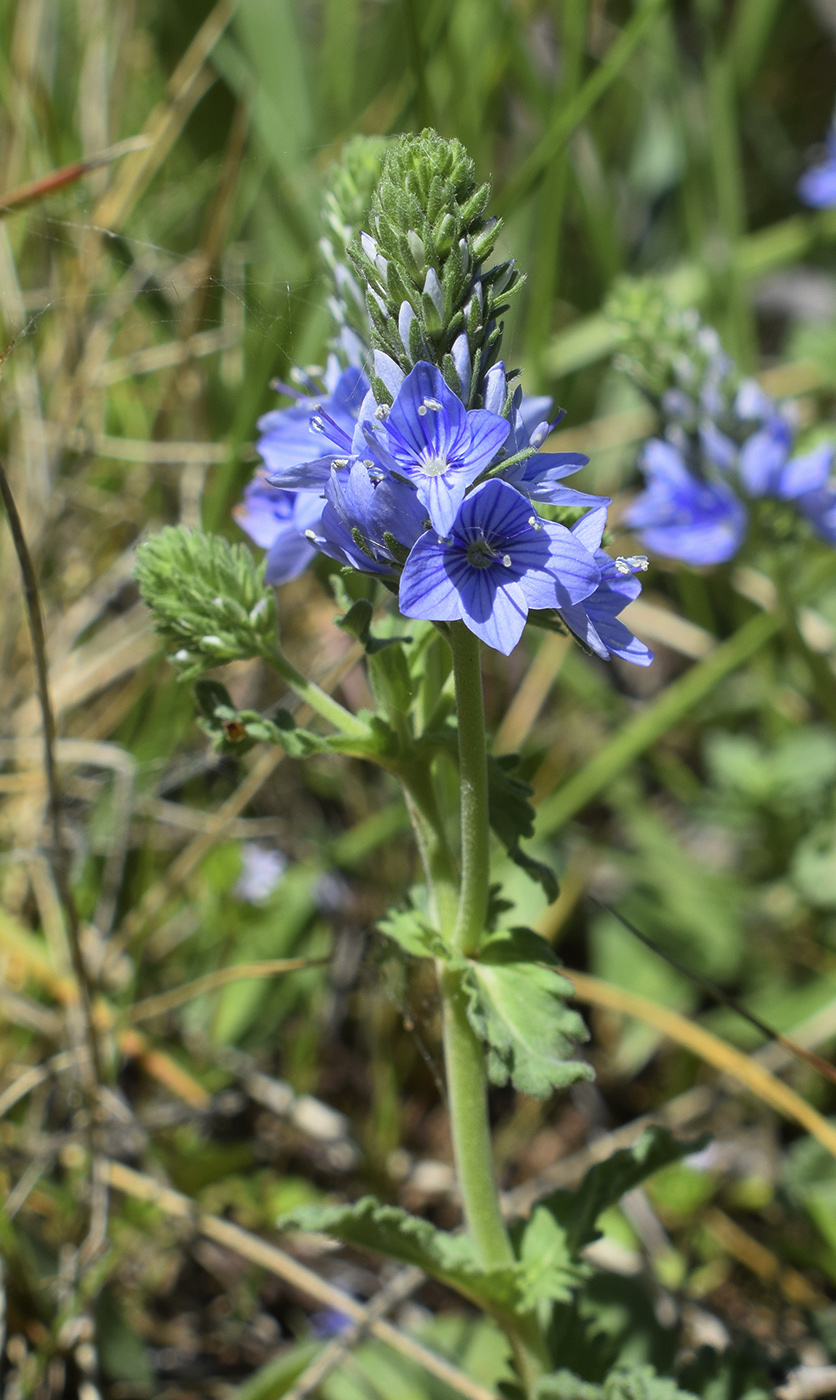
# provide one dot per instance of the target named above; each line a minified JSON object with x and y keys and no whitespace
{"x":389,"y":674}
{"x":548,"y":621}
{"x":357,"y":620}
{"x":516,"y":1005}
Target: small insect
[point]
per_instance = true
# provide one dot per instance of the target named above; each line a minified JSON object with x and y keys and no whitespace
{"x":233,"y":730}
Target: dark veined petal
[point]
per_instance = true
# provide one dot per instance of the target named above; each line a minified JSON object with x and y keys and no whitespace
{"x":442,"y":496}
{"x":494,"y":610}
{"x":569,"y":576}
{"x":427,"y":589}
{"x":495,"y":510}
{"x":487,"y":434}
{"x":416,"y":428}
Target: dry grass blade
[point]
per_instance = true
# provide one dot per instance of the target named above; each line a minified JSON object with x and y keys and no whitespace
{"x":188,"y":84}
{"x":68,"y":174}
{"x":284,"y":1266}
{"x":242,"y":972}
{"x":709,"y":1048}
{"x":38,"y":634}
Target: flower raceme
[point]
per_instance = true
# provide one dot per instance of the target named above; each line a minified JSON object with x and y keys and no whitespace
{"x":443,"y":497}
{"x":696,"y":503}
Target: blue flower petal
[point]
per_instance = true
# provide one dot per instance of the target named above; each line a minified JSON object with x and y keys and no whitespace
{"x":426,"y":588}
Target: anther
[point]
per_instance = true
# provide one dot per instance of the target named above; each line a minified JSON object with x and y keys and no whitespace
{"x":632,"y":564}
{"x":382,"y":411}
{"x":506,"y":560}
{"x":431,"y":403}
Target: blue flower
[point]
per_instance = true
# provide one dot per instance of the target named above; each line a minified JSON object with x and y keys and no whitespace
{"x":817,"y":186}
{"x":767,"y":469}
{"x":429,"y":437}
{"x":291,"y":442}
{"x":278,"y":521}
{"x":594,"y":621}
{"x":499,"y":561}
{"x":683,"y":516}
{"x":365,"y":506}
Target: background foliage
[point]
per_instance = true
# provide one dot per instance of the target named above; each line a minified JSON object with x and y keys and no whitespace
{"x":146,"y":308}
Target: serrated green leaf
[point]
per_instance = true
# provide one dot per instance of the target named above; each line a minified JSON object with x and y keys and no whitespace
{"x":605,"y":1184}
{"x":411,"y":929}
{"x":516,"y":1006}
{"x":511,"y":816}
{"x":623,"y":1383}
{"x":549,"y":1273}
{"x":395,"y":1233}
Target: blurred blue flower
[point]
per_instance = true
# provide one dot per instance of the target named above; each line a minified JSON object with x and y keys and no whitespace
{"x":328,"y":1322}
{"x":429,"y":437}
{"x":594,"y":620}
{"x":767,"y":469}
{"x":683,"y":516}
{"x":261,"y":871}
{"x":498,"y":561}
{"x":278,"y":520}
{"x":817,"y":186}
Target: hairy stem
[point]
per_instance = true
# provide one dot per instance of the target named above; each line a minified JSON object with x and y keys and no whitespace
{"x":320,"y":702}
{"x":473,"y":779}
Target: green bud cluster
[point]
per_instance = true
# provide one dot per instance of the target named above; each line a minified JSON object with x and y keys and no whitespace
{"x":207,"y":597}
{"x":352,"y":180}
{"x":664,"y":346}
{"x":422,"y":263}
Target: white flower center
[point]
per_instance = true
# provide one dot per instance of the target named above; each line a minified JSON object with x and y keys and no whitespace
{"x":434,"y":466}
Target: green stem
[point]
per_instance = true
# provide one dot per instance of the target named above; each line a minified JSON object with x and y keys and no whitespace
{"x":473,"y":781}
{"x":464,"y":1057}
{"x":320,"y":702}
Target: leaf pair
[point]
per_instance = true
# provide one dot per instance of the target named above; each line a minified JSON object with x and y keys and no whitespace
{"x":548,"y":1245}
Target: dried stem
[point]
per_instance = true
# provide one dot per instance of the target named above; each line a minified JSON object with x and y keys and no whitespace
{"x":37,"y":632}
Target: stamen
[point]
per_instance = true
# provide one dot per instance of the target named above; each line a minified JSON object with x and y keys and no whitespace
{"x":535,"y":522}
{"x":431,"y":403}
{"x":422,"y":410}
{"x":506,"y":561}
{"x":632,"y":564}
{"x":381,"y":412}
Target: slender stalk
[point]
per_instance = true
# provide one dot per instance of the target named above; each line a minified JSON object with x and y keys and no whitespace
{"x":467,"y":1089}
{"x":320,"y":702}
{"x":473,"y":778}
{"x":460,"y":909}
